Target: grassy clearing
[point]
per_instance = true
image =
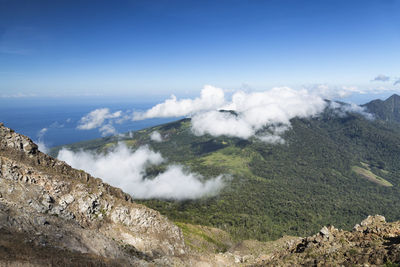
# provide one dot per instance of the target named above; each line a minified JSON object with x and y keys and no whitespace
{"x":205,"y":239}
{"x":367,"y":174}
{"x":231,"y":160}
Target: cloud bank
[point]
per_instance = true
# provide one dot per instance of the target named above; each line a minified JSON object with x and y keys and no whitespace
{"x":126,"y":169}
{"x":254,"y":112}
{"x":342,"y":110}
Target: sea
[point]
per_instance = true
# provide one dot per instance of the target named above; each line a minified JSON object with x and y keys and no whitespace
{"x":60,"y":116}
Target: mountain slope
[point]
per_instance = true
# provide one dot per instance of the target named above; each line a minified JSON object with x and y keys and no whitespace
{"x":332,"y":169}
{"x":388,"y":110}
{"x":53,"y":214}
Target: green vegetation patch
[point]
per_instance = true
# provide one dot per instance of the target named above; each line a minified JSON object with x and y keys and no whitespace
{"x":231,"y":160}
{"x":130,"y":143}
{"x":109,"y":145}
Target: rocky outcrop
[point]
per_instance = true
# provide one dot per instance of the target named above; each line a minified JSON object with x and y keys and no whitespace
{"x":373,"y":242}
{"x":51,"y":205}
{"x":18,"y":142}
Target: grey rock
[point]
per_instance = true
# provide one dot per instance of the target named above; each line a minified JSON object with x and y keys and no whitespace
{"x":356,"y":227}
{"x":373,"y":220}
{"x":41,"y":221}
{"x":57,"y":210}
{"x":47,"y":198}
{"x":37,"y":207}
{"x":65,"y":200}
{"x":324,"y":232}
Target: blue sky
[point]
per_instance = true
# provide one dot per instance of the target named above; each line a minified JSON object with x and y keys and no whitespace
{"x":152,"y":48}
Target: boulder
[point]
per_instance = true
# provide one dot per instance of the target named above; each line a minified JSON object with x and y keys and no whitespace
{"x":372,"y":220}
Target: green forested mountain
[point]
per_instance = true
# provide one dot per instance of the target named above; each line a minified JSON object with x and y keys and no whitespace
{"x":332,"y":169}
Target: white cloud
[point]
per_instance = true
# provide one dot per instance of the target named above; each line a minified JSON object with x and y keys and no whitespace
{"x":221,"y":123}
{"x":156,"y":136}
{"x":343,"y":109}
{"x":273,"y":134}
{"x":40,"y":140}
{"x":96,"y":118}
{"x":397,"y":82}
{"x":107,"y":129}
{"x":42,"y":146}
{"x":42,"y":132}
{"x":272,"y":139}
{"x":125,"y":169}
{"x":381,"y":78}
{"x":210,"y":98}
{"x":100,"y":118}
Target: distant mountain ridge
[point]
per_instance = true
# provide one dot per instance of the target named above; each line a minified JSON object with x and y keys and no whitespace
{"x":387,"y":110}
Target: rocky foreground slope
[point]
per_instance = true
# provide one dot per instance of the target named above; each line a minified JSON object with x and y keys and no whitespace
{"x":52,"y":214}
{"x":48,"y":208}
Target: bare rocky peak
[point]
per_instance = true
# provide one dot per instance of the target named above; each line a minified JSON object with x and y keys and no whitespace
{"x":51,"y":205}
{"x":11,"y":139}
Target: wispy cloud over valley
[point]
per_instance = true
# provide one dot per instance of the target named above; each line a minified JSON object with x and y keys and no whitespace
{"x":126,"y":169}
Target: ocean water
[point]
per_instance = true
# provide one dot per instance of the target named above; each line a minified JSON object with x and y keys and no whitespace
{"x":60,"y":116}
